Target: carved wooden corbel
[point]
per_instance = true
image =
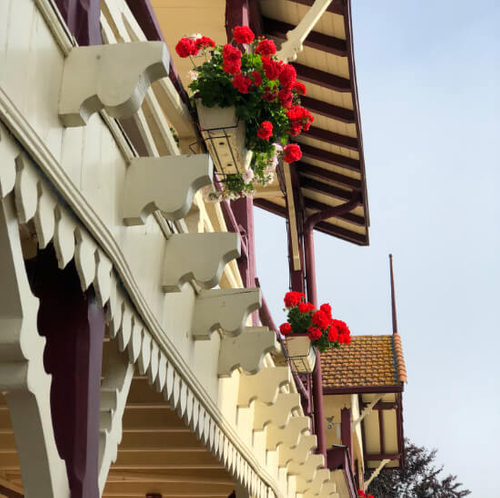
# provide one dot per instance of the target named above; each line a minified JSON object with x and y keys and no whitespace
{"x":165,"y":183}
{"x":308,"y":469}
{"x":290,"y":435}
{"x":90,"y":82}
{"x":278,"y":414}
{"x":313,"y":488}
{"x":298,"y":454}
{"x":225,"y":309}
{"x":246,"y":350}
{"x":198,"y":256}
{"x":263,"y":386}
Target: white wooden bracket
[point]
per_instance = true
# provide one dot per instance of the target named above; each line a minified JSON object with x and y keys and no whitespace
{"x":22,"y":374}
{"x":295,"y":37}
{"x":117,"y":378}
{"x":376,"y":472}
{"x":115,"y":77}
{"x":198,"y":256}
{"x":278,"y":414}
{"x":245,"y":351}
{"x":298,"y":454}
{"x":366,"y":411}
{"x":165,"y":183}
{"x":308,"y":469}
{"x":263,"y":386}
{"x":313,"y":488}
{"x":290,"y":435}
{"x":224,"y":309}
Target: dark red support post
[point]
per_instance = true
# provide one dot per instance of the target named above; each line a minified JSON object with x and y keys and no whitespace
{"x":73,"y":325}
{"x":83,"y":19}
{"x":346,"y":431}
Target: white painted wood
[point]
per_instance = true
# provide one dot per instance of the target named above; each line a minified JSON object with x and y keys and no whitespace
{"x":45,"y":218}
{"x":22,"y":375}
{"x":308,"y":469}
{"x":314,"y":488}
{"x":278,"y":414}
{"x":89,"y":81}
{"x":198,"y":256}
{"x":225,"y":309}
{"x":102,"y":281}
{"x":117,"y":378}
{"x":8,"y":153}
{"x":165,"y":183}
{"x":145,"y":352}
{"x":298,"y":454}
{"x":290,"y":435}
{"x":263,"y":386}
{"x":84,"y":258}
{"x":245,"y":351}
{"x":64,"y":237}
{"x":26,"y":189}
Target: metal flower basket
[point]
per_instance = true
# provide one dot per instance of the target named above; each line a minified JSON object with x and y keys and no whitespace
{"x":224,"y":136}
{"x":301,"y":353}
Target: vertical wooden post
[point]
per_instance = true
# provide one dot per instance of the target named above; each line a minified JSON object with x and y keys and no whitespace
{"x":73,"y":325}
{"x":346,"y":431}
{"x":83,"y":19}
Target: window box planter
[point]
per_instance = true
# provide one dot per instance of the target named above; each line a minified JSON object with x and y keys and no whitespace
{"x":301,"y":353}
{"x":224,"y":136}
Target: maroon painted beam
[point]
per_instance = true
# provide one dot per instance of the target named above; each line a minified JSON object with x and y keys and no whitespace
{"x":236,"y":15}
{"x":364,"y":389}
{"x":271,"y":207}
{"x":319,"y":206}
{"x":328,"y":110}
{"x":322,"y":78}
{"x":381,"y":431}
{"x":330,"y":157}
{"x":331,"y":138}
{"x":324,"y":188}
{"x":73,"y":325}
{"x":342,"y":233}
{"x":255,"y":18}
{"x":83,"y":19}
{"x":336,"y":7}
{"x":346,"y":432}
{"x":9,"y":493}
{"x":325,"y":174}
{"x":382,"y":456}
{"x":314,"y":39}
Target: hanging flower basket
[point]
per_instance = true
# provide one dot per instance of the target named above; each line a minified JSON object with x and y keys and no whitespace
{"x":301,"y":353}
{"x":246,"y":99}
{"x":224,"y":136}
{"x":308,"y":329}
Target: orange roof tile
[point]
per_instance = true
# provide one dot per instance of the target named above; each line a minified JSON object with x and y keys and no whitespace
{"x":370,"y":360}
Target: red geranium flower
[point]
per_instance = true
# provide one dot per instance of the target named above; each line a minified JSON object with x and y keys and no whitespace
{"x":285,"y":328}
{"x":232,"y":59}
{"x":287,"y":76}
{"x":293,"y":298}
{"x":295,"y":129}
{"x":320,"y":319}
{"x":286,"y":98}
{"x":257,"y":78}
{"x":265,"y":131}
{"x":306,"y":307}
{"x":204,"y":42}
{"x":266,"y":48}
{"x":314,"y":333}
{"x":292,"y":153}
{"x":243,"y":34}
{"x":299,"y":88}
{"x":269,"y":95}
{"x":333,"y":334}
{"x":327,"y":309}
{"x":271,"y":68}
{"x":242,"y":83}
{"x":361,"y":492}
{"x":186,"y":47}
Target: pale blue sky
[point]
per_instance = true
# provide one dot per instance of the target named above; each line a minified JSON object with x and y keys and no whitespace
{"x":428,"y":77}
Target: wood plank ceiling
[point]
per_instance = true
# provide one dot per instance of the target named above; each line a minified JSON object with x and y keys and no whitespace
{"x":332,"y":168}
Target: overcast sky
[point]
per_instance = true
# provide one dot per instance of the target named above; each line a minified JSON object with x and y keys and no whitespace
{"x":428,"y":77}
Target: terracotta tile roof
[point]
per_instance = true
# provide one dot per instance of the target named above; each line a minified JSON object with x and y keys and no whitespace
{"x":370,"y":360}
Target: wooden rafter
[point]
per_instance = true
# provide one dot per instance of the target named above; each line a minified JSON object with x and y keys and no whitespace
{"x":322,"y":78}
{"x":330,"y":157}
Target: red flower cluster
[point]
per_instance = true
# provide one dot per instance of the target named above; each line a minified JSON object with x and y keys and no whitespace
{"x":231,"y":59}
{"x":265,"y":131}
{"x":269,"y":95}
{"x":362,"y":494}
{"x":299,"y":87}
{"x":266,"y":48}
{"x":242,"y":83}
{"x":285,"y":97}
{"x":287,"y":76}
{"x":300,"y":118}
{"x":271,"y":68}
{"x":204,"y":42}
{"x":186,"y":47}
{"x":257,"y":78}
{"x":292,"y":153}
{"x":293,"y":299}
{"x":320,"y":327}
{"x":243,"y":34}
